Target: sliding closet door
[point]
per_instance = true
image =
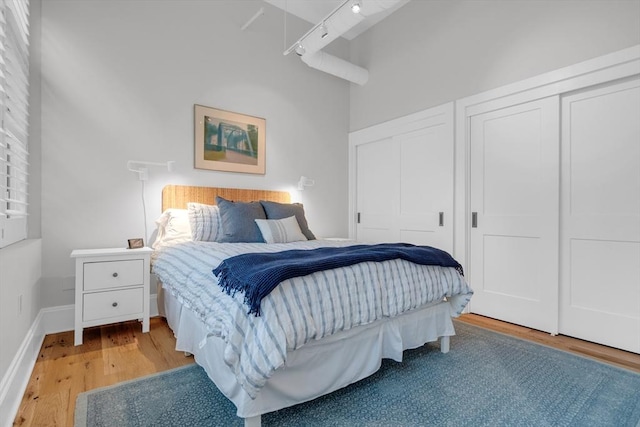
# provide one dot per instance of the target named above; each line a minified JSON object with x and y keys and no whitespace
{"x":426,"y":188}
{"x":600,"y":232}
{"x":514,"y":190}
{"x":404,"y":188}
{"x":377,"y":189}
{"x":402,"y":173}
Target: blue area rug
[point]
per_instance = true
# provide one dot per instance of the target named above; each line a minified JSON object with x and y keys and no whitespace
{"x":487,"y":379}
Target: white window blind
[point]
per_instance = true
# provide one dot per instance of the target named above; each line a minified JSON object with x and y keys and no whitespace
{"x":14,"y":119}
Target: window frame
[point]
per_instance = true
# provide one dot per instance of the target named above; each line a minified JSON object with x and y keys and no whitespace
{"x":14,"y":120}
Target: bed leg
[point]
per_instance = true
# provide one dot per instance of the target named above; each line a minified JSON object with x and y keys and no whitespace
{"x":253,"y":421}
{"x":444,"y":344}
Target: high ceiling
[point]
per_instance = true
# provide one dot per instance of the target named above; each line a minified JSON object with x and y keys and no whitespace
{"x":315,"y":11}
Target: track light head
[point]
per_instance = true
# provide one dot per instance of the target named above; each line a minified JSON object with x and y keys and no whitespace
{"x":300,"y":50}
{"x":324,"y":32}
{"x":355,"y":6}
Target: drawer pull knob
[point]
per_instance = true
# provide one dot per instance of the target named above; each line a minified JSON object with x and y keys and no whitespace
{"x":115,"y":274}
{"x":115,"y":304}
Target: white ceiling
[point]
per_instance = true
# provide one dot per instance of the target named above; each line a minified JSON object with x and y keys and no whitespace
{"x":314,"y":11}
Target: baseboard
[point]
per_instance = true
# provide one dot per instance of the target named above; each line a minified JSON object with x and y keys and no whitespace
{"x":15,"y":381}
{"x":49,"y":320}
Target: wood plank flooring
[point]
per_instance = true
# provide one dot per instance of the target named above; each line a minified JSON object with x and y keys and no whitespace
{"x":109,"y":355}
{"x":116,"y":353}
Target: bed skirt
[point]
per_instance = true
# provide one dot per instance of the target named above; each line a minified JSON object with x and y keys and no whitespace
{"x":317,"y":368}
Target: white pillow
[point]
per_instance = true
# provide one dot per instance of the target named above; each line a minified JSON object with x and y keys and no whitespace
{"x":173,"y":227}
{"x":205,"y":221}
{"x":284,"y":230}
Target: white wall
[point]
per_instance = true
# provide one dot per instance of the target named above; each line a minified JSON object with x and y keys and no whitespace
{"x":431,"y":52}
{"x":119,"y":81}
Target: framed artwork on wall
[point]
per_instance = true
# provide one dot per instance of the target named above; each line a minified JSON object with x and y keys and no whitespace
{"x":230,"y":142}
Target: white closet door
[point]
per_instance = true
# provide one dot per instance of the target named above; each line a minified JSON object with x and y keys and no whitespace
{"x":426,"y":188}
{"x":513,"y":268}
{"x":377,"y":189}
{"x":600,"y":237}
{"x":405,"y":188}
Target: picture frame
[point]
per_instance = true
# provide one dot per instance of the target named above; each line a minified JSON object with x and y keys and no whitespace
{"x":228,"y":141}
{"x":136,"y":243}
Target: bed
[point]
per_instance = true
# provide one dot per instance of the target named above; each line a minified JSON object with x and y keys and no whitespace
{"x":270,"y":361}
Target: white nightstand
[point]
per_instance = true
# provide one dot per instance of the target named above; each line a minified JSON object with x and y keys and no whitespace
{"x":112,"y":285}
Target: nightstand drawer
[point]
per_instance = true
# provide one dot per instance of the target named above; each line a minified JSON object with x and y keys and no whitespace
{"x":113,"y":274}
{"x":103,"y":305}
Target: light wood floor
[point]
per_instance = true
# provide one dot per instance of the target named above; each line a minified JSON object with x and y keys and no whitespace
{"x":116,"y":353}
{"x":108,"y":355}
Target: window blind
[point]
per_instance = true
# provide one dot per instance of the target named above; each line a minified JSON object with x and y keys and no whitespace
{"x":14,"y":119}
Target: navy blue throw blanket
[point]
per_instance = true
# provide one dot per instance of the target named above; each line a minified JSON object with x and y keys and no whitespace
{"x":257,"y":274}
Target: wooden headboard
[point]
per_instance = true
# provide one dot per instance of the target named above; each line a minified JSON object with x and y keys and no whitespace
{"x":177,"y":196}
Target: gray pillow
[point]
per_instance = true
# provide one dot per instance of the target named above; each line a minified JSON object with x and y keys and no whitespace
{"x":239,"y":221}
{"x":284,"y":230}
{"x":275,"y":210}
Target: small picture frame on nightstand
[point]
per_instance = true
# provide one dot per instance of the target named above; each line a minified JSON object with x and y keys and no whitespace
{"x":136,"y":243}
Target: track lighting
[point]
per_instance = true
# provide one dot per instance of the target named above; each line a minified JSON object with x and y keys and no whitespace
{"x":324,"y":32}
{"x":340,"y":20}
{"x":337,"y":23}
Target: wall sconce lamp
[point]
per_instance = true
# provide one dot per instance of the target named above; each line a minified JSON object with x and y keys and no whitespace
{"x":141,"y":167}
{"x":305,"y":182}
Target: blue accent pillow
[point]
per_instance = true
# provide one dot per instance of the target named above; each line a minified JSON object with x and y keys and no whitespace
{"x":239,"y":221}
{"x":275,"y":210}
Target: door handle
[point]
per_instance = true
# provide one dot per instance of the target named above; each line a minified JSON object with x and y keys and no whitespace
{"x":474,"y":219}
{"x":441,"y":219}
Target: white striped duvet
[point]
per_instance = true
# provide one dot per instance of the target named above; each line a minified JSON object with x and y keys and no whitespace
{"x":300,"y":309}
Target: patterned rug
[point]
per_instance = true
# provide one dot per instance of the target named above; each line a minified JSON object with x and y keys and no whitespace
{"x":487,"y":379}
